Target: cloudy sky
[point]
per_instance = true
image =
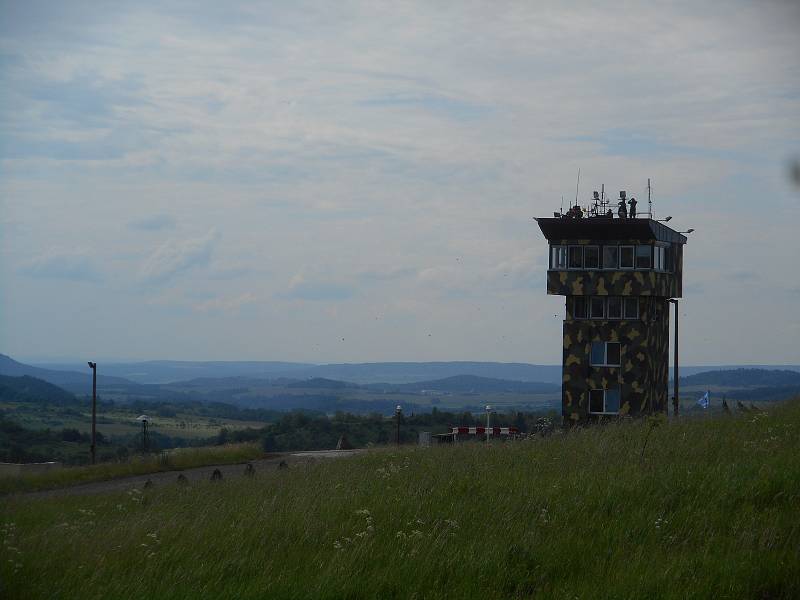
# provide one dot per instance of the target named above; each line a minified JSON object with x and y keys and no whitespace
{"x":345,"y":181}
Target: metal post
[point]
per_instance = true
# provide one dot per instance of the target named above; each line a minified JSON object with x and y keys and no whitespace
{"x":488,"y":415}
{"x":93,"y":367}
{"x":676,"y":399}
{"x":398,"y":410}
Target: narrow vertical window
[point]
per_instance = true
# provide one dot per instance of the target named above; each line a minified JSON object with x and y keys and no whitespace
{"x":576,"y":257}
{"x":614,"y":307}
{"x":613,"y":354}
{"x":632,"y":308}
{"x":598,"y":356}
{"x":591,"y":257}
{"x":558,"y":259}
{"x":597,"y":307}
{"x":612,"y":401}
{"x":610,"y":257}
{"x":596,"y":401}
{"x":626,"y":257}
{"x":579,"y":307}
{"x":644,"y":257}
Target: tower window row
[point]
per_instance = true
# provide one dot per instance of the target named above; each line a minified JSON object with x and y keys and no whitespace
{"x":604,"y":307}
{"x":613,"y":257}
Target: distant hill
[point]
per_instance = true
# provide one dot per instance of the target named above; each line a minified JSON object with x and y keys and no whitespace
{"x":170,"y":371}
{"x":470,"y":383}
{"x":410,"y":372}
{"x":74,"y":381}
{"x":32,"y":389}
{"x":321,"y":383}
{"x":167,"y":371}
{"x":744,"y":378}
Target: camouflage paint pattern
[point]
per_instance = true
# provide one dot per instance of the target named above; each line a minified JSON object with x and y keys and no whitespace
{"x":612,"y":283}
{"x":643,"y":374}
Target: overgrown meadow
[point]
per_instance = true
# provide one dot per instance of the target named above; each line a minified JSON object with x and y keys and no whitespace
{"x":692,"y":509}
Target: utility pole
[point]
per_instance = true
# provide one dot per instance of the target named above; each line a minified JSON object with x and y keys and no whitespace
{"x":488,"y":415}
{"x":93,"y":367}
{"x":398,"y":411}
{"x":676,"y":399}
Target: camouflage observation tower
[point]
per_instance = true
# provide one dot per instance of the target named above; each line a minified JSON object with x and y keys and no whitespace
{"x":618,"y":273}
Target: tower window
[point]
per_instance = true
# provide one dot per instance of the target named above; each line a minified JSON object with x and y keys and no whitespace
{"x":576,"y":257}
{"x":658,"y":258}
{"x":614,"y":307}
{"x":644,"y":257}
{"x":631,"y":308}
{"x":610,"y":257}
{"x":626,"y":257}
{"x":605,"y":354}
{"x":597,"y":307}
{"x":558,"y":257}
{"x":604,"y":402}
{"x":591,"y":257}
{"x":578,"y":307}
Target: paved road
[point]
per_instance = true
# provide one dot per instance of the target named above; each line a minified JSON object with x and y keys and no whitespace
{"x":195,"y":474}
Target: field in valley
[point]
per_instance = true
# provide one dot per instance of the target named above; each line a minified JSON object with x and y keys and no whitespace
{"x":689,"y":509}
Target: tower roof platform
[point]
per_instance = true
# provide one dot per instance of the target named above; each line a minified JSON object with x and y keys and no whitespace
{"x":604,"y":228}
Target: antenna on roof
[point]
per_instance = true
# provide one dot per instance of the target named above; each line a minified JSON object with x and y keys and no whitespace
{"x":577,"y":185}
{"x":649,"y":201}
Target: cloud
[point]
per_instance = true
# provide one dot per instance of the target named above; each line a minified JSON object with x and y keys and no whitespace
{"x":71,"y":267}
{"x":153,"y":223}
{"x":175,"y":257}
{"x":226,"y":305}
{"x":302,"y":289}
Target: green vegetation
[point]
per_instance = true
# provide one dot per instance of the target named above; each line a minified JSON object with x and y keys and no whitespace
{"x":707,"y":508}
{"x":302,"y":431}
{"x":182,"y":458}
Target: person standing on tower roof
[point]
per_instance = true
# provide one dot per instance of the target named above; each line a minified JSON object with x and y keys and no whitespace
{"x":622,"y":211}
{"x":632,"y":211}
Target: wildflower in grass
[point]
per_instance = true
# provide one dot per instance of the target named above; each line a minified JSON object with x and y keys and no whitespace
{"x":337,"y":544}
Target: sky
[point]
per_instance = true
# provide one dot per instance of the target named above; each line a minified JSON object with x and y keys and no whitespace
{"x":357,"y":181}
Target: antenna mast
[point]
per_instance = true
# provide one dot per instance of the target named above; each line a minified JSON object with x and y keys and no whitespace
{"x":649,"y":201}
{"x":577,"y":185}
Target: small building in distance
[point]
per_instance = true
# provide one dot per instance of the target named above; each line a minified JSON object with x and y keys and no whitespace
{"x":617,"y":275}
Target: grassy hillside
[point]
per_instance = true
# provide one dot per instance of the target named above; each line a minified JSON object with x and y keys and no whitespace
{"x":701,"y":508}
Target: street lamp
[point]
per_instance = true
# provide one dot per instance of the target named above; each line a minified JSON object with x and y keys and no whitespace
{"x":93,"y":367}
{"x":398,"y":410}
{"x":488,"y":416}
{"x":144,"y":419}
{"x":687,"y":231}
{"x":667,"y":220}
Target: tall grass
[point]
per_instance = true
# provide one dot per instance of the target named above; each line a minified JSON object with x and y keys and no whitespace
{"x":709,"y":510}
{"x":181,"y":458}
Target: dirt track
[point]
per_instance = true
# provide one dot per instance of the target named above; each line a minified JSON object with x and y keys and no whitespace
{"x":194,"y":474}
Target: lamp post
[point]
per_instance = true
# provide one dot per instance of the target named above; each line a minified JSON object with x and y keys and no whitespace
{"x":675,"y":378}
{"x":488,"y":416}
{"x":93,"y":367}
{"x":398,"y":410}
{"x":143,"y":419}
